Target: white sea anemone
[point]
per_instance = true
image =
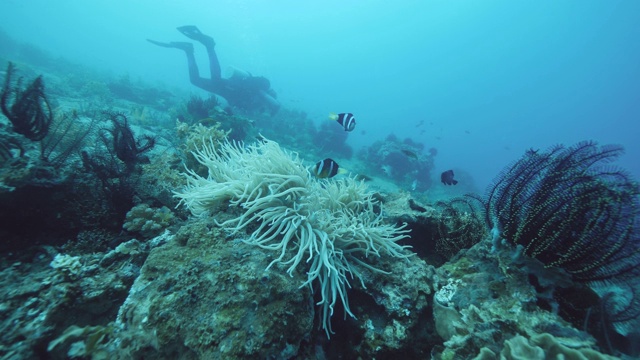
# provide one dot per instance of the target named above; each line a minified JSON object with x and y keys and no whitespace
{"x":330,"y":224}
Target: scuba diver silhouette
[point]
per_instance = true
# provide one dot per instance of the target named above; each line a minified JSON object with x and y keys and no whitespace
{"x":241,"y":89}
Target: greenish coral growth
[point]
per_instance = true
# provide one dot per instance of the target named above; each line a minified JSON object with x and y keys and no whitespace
{"x":194,"y":137}
{"x":331,"y":225}
{"x":148,"y":221}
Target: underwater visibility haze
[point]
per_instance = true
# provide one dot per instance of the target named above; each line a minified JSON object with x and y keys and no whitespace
{"x":318,"y":180}
{"x":489,"y":79}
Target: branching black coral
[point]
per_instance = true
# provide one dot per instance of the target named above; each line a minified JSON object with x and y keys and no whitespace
{"x":115,"y":161}
{"x":199,"y":108}
{"x":28,"y":109}
{"x":66,"y":137}
{"x":459,"y":226}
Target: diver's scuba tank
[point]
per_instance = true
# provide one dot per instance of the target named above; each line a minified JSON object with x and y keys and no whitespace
{"x":236,"y":74}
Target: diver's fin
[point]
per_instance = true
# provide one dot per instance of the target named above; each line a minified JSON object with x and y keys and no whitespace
{"x":163,"y":44}
{"x":174,"y":44}
{"x":192,"y":32}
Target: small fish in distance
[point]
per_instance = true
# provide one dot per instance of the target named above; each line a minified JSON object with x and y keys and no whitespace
{"x":410,"y":154}
{"x":447,"y":178}
{"x":326,"y":168}
{"x":347,"y":120}
{"x":363,"y":177}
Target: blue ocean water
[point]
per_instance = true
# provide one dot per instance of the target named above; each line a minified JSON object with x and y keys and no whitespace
{"x":479,"y":83}
{"x":486,"y":79}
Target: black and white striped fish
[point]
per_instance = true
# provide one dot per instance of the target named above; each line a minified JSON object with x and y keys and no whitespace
{"x":326,"y":168}
{"x":347,"y":120}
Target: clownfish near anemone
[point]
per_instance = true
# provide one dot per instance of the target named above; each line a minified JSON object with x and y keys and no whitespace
{"x":346,"y":120}
{"x":327,"y":168}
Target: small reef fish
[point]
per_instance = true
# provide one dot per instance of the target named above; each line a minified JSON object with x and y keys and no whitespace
{"x":363,"y":177}
{"x":410,"y":154}
{"x":326,"y":168}
{"x":347,"y":120}
{"x":447,"y":178}
{"x":386,"y":169}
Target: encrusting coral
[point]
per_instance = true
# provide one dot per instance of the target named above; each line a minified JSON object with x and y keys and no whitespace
{"x":148,"y":221}
{"x":330,"y":224}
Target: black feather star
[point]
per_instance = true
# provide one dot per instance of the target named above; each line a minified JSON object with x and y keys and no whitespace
{"x":28,"y":109}
{"x":569,"y":208}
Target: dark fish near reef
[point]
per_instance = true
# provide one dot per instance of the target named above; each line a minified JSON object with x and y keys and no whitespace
{"x":410,"y":153}
{"x":347,"y":120}
{"x":447,"y":178}
{"x":326,"y":168}
{"x":363,"y":177}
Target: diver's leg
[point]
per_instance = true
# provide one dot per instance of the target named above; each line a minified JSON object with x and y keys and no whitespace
{"x":214,"y":64}
{"x":194,"y":73}
{"x":194,"y":33}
